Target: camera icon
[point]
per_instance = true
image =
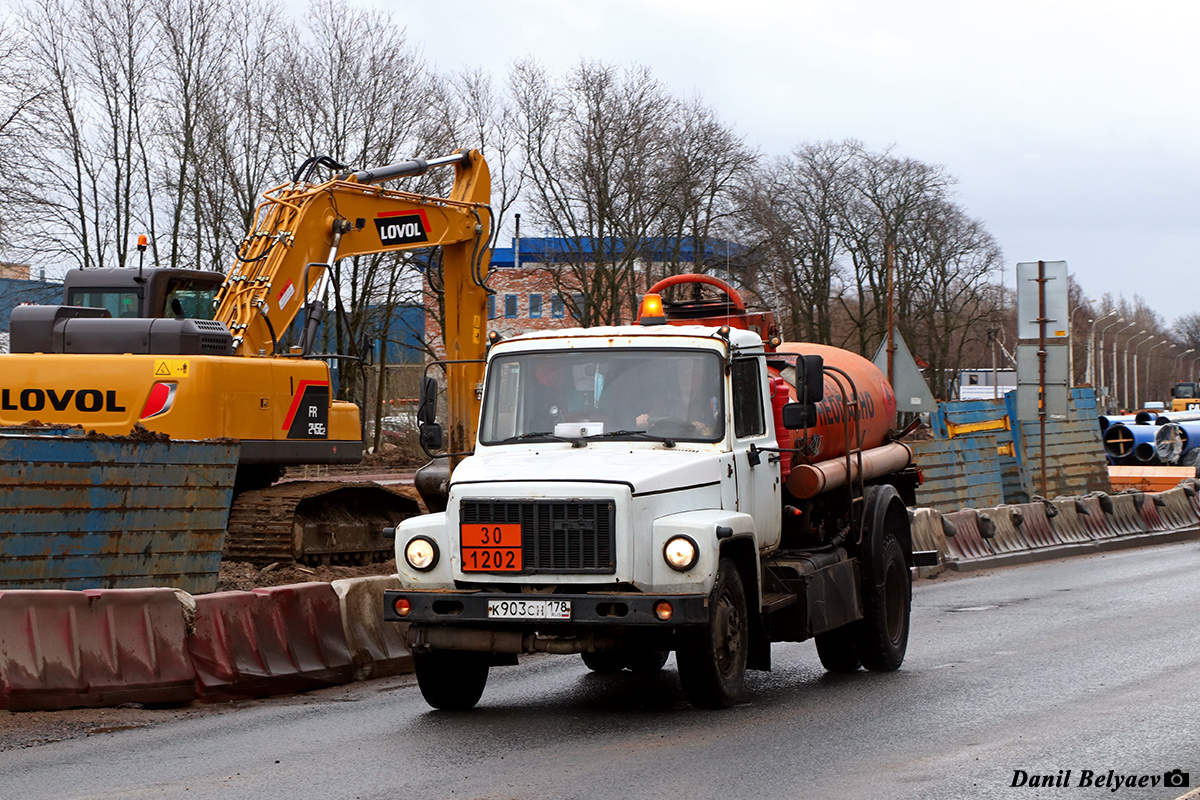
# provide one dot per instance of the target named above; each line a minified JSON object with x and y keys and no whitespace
{"x":1176,"y":778}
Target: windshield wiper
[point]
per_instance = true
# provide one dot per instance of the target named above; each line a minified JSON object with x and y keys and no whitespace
{"x":543,"y":436}
{"x":667,"y":441}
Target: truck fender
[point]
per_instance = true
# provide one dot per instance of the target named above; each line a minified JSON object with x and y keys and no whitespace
{"x":883,"y":512}
{"x":712,"y":530}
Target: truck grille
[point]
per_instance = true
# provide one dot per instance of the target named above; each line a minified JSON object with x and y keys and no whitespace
{"x":562,"y":536}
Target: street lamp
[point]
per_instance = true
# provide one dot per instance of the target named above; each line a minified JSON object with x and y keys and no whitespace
{"x":1071,"y":342}
{"x":1137,"y":403}
{"x":1149,"y":353}
{"x":1116,"y":338}
{"x":1125,"y":383}
{"x":1091,"y":346}
{"x":1178,"y":360}
{"x":1100,"y":358}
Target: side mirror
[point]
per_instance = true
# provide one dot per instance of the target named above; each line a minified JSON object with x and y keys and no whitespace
{"x":431,"y":436}
{"x":810,"y":379}
{"x":427,"y":405}
{"x":799,"y":415}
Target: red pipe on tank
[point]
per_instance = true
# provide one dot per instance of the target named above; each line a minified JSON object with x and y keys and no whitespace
{"x":693,"y":277}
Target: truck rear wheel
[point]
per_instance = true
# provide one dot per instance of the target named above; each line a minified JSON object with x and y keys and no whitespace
{"x":712,"y":661}
{"x":642,"y":661}
{"x":606,"y":662}
{"x":881,"y":636}
{"x":837,"y":650}
{"x":451,"y":680}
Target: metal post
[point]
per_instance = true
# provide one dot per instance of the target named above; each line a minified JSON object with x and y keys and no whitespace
{"x":891,"y":343}
{"x":1192,"y":371}
{"x":1042,"y":366}
{"x":517,"y":243}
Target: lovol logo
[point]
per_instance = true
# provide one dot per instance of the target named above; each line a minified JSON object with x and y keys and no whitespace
{"x":88,"y":400}
{"x":402,"y":227}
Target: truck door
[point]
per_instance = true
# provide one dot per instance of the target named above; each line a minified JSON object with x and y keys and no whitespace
{"x":757,"y":486}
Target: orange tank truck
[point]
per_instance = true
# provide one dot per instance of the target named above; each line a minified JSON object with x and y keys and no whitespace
{"x":818,"y":459}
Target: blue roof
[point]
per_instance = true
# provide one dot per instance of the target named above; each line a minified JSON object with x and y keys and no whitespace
{"x":553,"y":250}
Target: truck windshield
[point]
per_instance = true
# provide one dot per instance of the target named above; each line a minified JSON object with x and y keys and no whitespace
{"x":1185,"y":390}
{"x":609,"y":393}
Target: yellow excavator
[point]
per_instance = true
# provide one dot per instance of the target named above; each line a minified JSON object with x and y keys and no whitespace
{"x":145,"y":346}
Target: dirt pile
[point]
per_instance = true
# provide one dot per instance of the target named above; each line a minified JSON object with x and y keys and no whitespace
{"x":240,"y":576}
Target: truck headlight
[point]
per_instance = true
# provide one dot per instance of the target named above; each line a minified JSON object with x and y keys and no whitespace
{"x":421,"y":553}
{"x":681,"y":553}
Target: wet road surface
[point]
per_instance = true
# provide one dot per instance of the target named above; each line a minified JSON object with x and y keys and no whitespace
{"x":1090,"y":663}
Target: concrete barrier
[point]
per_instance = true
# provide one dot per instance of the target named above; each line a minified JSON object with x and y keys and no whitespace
{"x":377,"y":648}
{"x":1091,"y":513}
{"x":1005,"y":536}
{"x":964,"y":540}
{"x":1176,"y":508}
{"x":1034,"y":524}
{"x":1152,"y":521}
{"x":1123,"y":513}
{"x":1066,"y":521}
{"x":926,"y":526}
{"x":269,"y":641}
{"x":97,"y":647}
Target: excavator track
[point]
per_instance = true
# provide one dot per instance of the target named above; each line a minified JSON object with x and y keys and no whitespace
{"x":316,"y":522}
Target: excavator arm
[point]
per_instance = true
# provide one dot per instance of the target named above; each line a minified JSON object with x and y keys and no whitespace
{"x":302,"y":229}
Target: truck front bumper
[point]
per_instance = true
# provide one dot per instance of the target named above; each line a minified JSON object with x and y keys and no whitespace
{"x":441,"y":607}
{"x":449,"y":620}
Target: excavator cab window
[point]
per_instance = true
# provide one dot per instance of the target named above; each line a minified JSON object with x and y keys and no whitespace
{"x":196,"y":300}
{"x":122,"y":304}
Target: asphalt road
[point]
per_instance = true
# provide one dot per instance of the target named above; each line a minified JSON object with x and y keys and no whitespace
{"x":1084,"y":664}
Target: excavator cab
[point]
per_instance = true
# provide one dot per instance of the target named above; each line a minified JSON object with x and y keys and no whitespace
{"x":154,"y":293}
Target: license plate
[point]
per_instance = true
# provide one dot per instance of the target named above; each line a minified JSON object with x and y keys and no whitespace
{"x":529,"y":609}
{"x":491,"y":548}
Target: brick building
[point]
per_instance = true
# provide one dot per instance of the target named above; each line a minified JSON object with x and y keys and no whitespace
{"x":526,"y":296}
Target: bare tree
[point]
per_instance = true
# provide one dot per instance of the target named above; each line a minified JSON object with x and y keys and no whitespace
{"x":949,"y":301}
{"x":798,"y":204}
{"x":891,"y":192}
{"x":595,"y":147}
{"x":19,"y":98}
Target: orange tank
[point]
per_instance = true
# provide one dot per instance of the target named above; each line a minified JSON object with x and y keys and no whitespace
{"x":877,"y":403}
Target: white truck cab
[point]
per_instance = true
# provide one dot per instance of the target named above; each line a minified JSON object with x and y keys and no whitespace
{"x":624,"y":500}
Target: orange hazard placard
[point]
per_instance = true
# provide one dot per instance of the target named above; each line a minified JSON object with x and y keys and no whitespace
{"x":491,"y":548}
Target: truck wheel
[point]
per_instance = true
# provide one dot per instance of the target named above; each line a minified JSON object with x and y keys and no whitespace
{"x":645,"y":662}
{"x":451,"y":680}
{"x":882,"y":633}
{"x":837,"y":650}
{"x":606,"y":662}
{"x":712,"y":661}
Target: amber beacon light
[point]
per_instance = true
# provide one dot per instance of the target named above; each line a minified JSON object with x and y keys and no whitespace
{"x":652,"y":311}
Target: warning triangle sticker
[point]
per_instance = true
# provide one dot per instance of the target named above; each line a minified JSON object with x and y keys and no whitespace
{"x":162,"y":369}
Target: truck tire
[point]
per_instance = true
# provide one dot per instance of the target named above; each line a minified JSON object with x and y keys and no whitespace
{"x":606,"y":662}
{"x":642,"y":661}
{"x":881,"y":636}
{"x":837,"y":650}
{"x":451,"y":680}
{"x":712,"y":661}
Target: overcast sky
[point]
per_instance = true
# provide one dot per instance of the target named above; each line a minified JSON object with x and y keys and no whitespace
{"x":1072,"y":127}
